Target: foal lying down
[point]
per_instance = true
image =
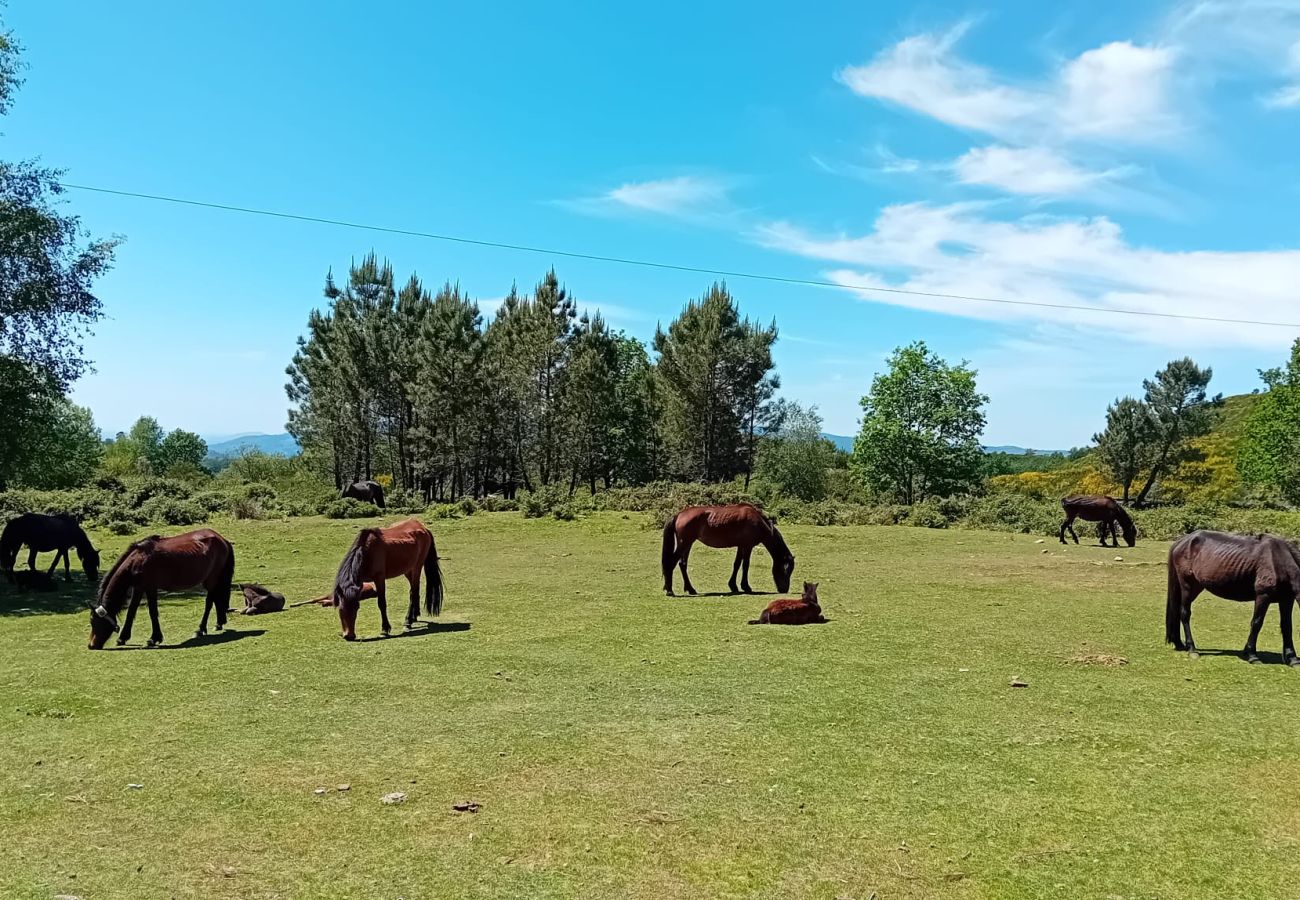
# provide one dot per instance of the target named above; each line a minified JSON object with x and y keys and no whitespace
{"x":804,"y":611}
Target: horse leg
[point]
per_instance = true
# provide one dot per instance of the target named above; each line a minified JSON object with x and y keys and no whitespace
{"x":744,"y":572}
{"x":1070,"y":525}
{"x":1102,"y":529}
{"x":1288,"y":640}
{"x":683,"y":558}
{"x":1065,"y":524}
{"x":31,"y":558}
{"x":125,"y":634}
{"x":1185,"y":616}
{"x":1256,"y":623}
{"x":207,"y":608}
{"x":54,"y":565}
{"x":735,"y":570}
{"x":413,"y":611}
{"x":381,"y":597}
{"x":156,"y":638}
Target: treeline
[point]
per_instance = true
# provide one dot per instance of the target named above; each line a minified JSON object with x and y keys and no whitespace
{"x":419,"y":385}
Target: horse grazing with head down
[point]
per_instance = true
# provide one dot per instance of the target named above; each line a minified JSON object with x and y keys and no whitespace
{"x":1243,"y":567}
{"x":379,"y":554}
{"x":1103,"y":510}
{"x":41,"y":534}
{"x":740,"y":525}
{"x":156,"y":564}
{"x":366,"y":492}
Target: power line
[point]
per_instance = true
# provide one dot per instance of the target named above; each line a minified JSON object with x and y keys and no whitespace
{"x":651,"y":264}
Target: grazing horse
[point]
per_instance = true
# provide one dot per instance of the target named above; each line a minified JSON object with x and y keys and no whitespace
{"x":366,"y":492}
{"x":1241,"y":567}
{"x":42,"y":534}
{"x":1103,"y":510}
{"x":156,"y":564}
{"x":740,"y":525}
{"x":804,"y":611}
{"x":382,"y":553}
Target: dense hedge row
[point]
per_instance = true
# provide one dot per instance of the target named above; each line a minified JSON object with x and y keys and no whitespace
{"x":126,"y":507}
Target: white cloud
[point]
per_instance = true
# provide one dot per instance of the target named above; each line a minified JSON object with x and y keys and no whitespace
{"x":921,"y":73}
{"x":1085,"y":263}
{"x":683,"y":195}
{"x":1120,"y":91}
{"x":1252,"y":38}
{"x":1035,"y":171}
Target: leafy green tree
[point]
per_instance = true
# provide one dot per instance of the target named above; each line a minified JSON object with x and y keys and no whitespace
{"x":921,"y":426}
{"x":637,"y":435}
{"x":1129,"y":444}
{"x":63,"y":450}
{"x":796,"y":458}
{"x":146,"y":436}
{"x":1181,"y":410}
{"x":1270,"y":447}
{"x":714,"y":373}
{"x":181,"y":451}
{"x":47,"y":269}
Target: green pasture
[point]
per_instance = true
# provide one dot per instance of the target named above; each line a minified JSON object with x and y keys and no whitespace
{"x":623,"y":744}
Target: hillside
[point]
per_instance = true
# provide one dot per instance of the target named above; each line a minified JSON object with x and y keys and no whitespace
{"x":282,"y":443}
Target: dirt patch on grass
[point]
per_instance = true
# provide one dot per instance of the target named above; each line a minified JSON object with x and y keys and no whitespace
{"x":1099,"y":659}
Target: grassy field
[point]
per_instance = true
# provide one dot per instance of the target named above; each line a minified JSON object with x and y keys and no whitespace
{"x":624,"y":744}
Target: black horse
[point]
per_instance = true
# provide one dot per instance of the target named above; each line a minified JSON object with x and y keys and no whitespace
{"x":1258,"y":568}
{"x":42,"y":534}
{"x":366,"y":492}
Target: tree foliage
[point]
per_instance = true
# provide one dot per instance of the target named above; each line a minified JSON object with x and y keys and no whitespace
{"x":1128,"y":445}
{"x":1270,"y":449}
{"x":921,"y":426}
{"x":1181,"y":410}
{"x":795,"y":457}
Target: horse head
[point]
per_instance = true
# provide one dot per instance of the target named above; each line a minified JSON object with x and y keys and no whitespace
{"x":89,"y":563}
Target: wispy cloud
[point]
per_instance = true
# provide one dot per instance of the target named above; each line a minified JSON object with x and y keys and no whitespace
{"x":1117,"y":92}
{"x":1085,"y":262}
{"x":1034,"y":171}
{"x":689,"y":197}
{"x":1258,"y":39}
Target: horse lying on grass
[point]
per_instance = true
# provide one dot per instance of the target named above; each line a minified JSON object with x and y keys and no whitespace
{"x":804,"y":611}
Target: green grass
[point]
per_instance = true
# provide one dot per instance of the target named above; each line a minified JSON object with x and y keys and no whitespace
{"x":623,"y":744}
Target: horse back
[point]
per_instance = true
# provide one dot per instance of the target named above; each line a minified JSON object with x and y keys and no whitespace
{"x":182,"y":561}
{"x":404,"y":548}
{"x":723,"y":526}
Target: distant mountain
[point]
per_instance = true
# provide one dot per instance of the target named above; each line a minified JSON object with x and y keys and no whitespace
{"x":840,"y":441}
{"x":282,"y":443}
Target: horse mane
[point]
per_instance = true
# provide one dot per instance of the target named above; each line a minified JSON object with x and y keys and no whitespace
{"x":349,"y":579}
{"x":108,"y":583}
{"x":777,"y":548}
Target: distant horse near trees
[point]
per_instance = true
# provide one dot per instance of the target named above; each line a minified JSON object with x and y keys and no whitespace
{"x":156,"y":564}
{"x":42,"y":534}
{"x":740,"y":525}
{"x":379,"y":554}
{"x":366,"y":492}
{"x":1103,"y":510}
{"x":1242,"y":567}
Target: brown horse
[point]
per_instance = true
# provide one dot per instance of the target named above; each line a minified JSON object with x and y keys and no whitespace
{"x":156,"y":564}
{"x":804,"y":611}
{"x":740,"y":525}
{"x":382,"y":553}
{"x":1101,"y":509}
{"x":1243,"y":567}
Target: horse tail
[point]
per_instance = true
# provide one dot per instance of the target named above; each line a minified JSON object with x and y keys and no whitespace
{"x":432,"y":580}
{"x":1173,"y":601}
{"x":669,"y":556}
{"x":226,"y":580}
{"x":377,"y":491}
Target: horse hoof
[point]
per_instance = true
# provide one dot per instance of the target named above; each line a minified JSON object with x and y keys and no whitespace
{"x":1254,"y":660}
{"x":1192,"y":654}
{"x":349,"y":637}
{"x":121,"y":642}
{"x":151,"y":643}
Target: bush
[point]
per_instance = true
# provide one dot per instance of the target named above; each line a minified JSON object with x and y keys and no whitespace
{"x":171,"y":511}
{"x":140,"y":492}
{"x":927,"y":514}
{"x":1013,"y":511}
{"x":212,"y":501}
{"x":443,"y":511}
{"x":541,"y":502}
{"x":247,"y":508}
{"x":491,"y":503}
{"x":349,"y":509}
{"x":467,"y":506}
{"x":121,"y":527}
{"x":564,"y":512}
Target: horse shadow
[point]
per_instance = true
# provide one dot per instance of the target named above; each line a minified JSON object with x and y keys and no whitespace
{"x":63,"y":597}
{"x":714,"y":594}
{"x":428,"y":629}
{"x":1265,"y":656}
{"x":202,"y":640}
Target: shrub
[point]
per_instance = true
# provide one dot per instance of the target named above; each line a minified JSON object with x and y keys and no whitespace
{"x":927,"y":514}
{"x":257,"y":490}
{"x":467,"y":506}
{"x":350,"y":509}
{"x":121,"y":527}
{"x":564,"y":512}
{"x":247,"y":508}
{"x":1012,"y":511}
{"x":145,"y":489}
{"x":171,"y":511}
{"x":443,"y":510}
{"x":212,"y":501}
{"x":491,"y":503}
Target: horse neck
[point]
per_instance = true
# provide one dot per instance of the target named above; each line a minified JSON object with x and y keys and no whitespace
{"x":775,"y":544}
{"x":80,"y":540}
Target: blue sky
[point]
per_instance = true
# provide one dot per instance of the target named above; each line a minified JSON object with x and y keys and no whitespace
{"x":1142,"y":156}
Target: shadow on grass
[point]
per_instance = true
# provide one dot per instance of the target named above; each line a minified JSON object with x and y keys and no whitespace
{"x":704,"y":595}
{"x":195,"y":641}
{"x":1268,"y":657}
{"x":428,"y":629}
{"x":66,"y":597}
